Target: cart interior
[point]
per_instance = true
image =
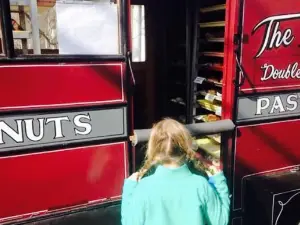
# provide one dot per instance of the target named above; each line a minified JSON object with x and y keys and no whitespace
{"x":182,"y":74}
{"x":184,"y":39}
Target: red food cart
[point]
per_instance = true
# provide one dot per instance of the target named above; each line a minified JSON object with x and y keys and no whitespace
{"x":75,"y":84}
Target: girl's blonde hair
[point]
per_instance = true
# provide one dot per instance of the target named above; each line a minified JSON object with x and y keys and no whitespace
{"x":170,"y":142}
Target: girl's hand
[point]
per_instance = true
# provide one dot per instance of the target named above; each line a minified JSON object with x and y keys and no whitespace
{"x":213,"y":169}
{"x":134,"y":176}
{"x":211,"y":166}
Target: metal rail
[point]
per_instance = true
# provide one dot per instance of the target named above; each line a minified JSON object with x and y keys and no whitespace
{"x":195,"y":129}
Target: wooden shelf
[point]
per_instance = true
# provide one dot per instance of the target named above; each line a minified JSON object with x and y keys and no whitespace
{"x":217,"y":84}
{"x":213,"y":54}
{"x":202,"y":79}
{"x":218,"y":40}
{"x":216,"y":67}
{"x":213,"y":8}
{"x":212,"y":24}
{"x":204,"y":118}
{"x":211,"y":66}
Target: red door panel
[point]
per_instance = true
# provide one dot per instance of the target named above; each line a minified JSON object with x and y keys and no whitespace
{"x":264,"y":148}
{"x":60,"y":85}
{"x":271,"y":40}
{"x":42,"y":182}
{"x":61,"y":178}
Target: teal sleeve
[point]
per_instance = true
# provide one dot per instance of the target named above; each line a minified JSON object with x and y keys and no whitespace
{"x":217,"y":200}
{"x":132,"y":206}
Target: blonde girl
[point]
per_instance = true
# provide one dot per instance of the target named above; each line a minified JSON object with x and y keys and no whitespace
{"x":173,"y":195}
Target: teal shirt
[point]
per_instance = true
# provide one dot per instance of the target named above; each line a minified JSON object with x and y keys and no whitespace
{"x":175,"y":197}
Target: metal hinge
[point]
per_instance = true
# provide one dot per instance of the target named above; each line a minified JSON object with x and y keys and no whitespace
{"x":130,"y":67}
{"x":240,"y":38}
{"x":237,"y":39}
{"x":241,"y":70}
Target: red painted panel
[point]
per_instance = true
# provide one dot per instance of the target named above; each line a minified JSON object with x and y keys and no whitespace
{"x":281,"y":58}
{"x":53,"y":180}
{"x":229,"y":72}
{"x":40,"y":86}
{"x":262,"y":148}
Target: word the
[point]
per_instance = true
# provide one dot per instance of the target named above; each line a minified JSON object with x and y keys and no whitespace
{"x":273,"y":37}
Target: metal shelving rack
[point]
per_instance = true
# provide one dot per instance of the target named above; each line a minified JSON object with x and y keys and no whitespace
{"x":207,"y":70}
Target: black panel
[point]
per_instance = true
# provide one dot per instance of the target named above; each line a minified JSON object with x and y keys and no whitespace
{"x":237,"y":221}
{"x":100,"y":216}
{"x":272,"y":199}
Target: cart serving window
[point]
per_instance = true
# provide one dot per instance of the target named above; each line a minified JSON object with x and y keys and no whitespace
{"x":64,"y":27}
